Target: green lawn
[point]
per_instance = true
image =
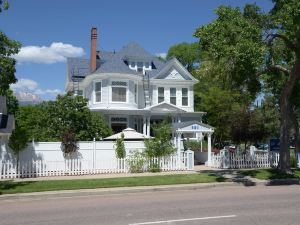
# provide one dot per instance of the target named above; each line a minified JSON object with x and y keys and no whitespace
{"x":10,"y":187}
{"x":269,"y":174}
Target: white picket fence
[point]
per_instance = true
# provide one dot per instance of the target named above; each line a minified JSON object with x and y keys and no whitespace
{"x":40,"y":168}
{"x":239,"y":161}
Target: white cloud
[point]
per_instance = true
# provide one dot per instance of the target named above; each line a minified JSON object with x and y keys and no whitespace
{"x":56,"y":52}
{"x":25,"y":84}
{"x":31,"y":86}
{"x":162,"y":54}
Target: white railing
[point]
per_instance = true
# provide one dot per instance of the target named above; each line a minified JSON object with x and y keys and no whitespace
{"x":40,"y":168}
{"x":240,"y":161}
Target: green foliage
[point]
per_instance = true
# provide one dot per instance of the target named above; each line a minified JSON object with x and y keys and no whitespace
{"x":196,"y":145}
{"x":160,"y":145}
{"x":11,"y":102}
{"x":48,"y":121}
{"x":120,"y":147}
{"x":7,"y":64}
{"x":4,"y":5}
{"x":18,"y":140}
{"x":233,"y":46}
{"x":69,"y":143}
{"x":187,"y":54}
{"x":136,"y":161}
{"x":154,"y":167}
{"x":247,"y":126}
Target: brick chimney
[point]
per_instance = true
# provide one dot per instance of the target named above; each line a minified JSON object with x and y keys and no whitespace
{"x":93,"y":49}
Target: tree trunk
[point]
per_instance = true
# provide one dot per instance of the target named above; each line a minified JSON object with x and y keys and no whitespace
{"x":284,"y":164}
{"x":295,"y":124}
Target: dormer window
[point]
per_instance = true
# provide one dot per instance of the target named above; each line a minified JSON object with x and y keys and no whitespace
{"x":140,"y":68}
{"x":132,"y":64}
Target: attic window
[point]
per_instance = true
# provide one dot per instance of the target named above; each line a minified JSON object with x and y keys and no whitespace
{"x":140,"y":67}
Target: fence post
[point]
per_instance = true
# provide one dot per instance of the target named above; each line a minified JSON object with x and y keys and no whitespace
{"x":94,"y":154}
{"x":190,"y":159}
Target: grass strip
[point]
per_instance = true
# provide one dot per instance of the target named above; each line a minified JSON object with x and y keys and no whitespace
{"x":11,"y":187}
{"x":270,"y":174}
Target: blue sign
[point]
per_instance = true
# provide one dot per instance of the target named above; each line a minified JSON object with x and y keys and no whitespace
{"x":274,"y":144}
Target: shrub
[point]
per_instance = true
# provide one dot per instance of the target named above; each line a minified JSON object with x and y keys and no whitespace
{"x":293,"y":161}
{"x":161,"y":144}
{"x":120,"y":147}
{"x":69,"y":143}
{"x":154,"y":167}
{"x":136,"y":161}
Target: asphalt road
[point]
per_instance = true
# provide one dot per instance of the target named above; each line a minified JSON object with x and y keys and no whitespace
{"x":219,"y":206}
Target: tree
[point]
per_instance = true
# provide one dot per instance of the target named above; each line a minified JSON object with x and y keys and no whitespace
{"x":161,"y":144}
{"x":3,"y":5}
{"x":120,"y":147}
{"x":18,"y":141}
{"x":187,"y":54}
{"x":49,"y":121}
{"x":8,"y":48}
{"x":247,"y":126}
{"x":69,"y":143}
{"x":11,"y":102}
{"x":246,"y":44}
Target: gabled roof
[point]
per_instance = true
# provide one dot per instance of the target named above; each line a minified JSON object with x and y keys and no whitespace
{"x":133,"y":51}
{"x":186,"y":125}
{"x":129,"y":135}
{"x":165,"y":107}
{"x":174,"y":63}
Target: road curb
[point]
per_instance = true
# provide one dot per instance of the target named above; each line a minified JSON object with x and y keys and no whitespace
{"x":108,"y":191}
{"x":141,"y":189}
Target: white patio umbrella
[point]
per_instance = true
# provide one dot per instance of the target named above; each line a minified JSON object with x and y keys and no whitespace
{"x":129,"y":135}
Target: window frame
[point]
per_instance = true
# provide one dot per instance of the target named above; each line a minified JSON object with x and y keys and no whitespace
{"x":135,"y":93}
{"x":172,"y":88}
{"x":95,"y":92}
{"x":158,"y":96}
{"x":187,"y":96}
{"x":111,"y":91}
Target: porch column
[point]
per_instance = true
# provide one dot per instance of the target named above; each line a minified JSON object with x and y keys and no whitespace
{"x":148,"y":126}
{"x":144,"y":125}
{"x":178,"y":144}
{"x":208,"y":163}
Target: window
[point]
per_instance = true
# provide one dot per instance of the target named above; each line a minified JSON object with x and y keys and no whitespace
{"x":147,"y":64}
{"x":118,"y":90}
{"x":140,"y":67}
{"x":135,"y":93}
{"x":161,"y":94}
{"x":185,"y":97}
{"x":79,"y":93}
{"x":173,"y":96}
{"x":98,"y":90}
{"x":132,"y":64}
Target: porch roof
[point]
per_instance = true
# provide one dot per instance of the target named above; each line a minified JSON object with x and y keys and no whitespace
{"x":129,"y":134}
{"x":192,"y":127}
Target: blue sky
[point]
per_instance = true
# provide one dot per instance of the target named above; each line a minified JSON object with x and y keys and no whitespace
{"x":52,"y":30}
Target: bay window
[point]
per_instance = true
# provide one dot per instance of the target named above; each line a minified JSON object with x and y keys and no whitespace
{"x":119,"y":91}
{"x":98,"y":91}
